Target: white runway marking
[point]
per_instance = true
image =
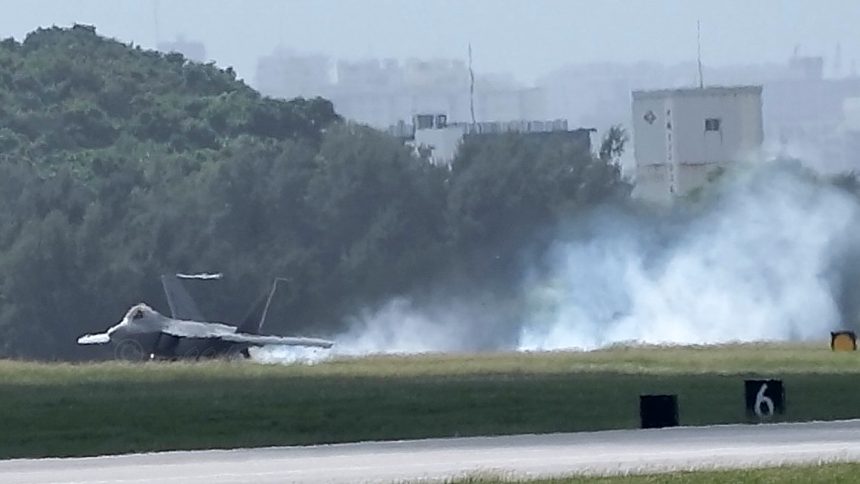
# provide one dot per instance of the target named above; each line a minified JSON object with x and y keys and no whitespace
{"x":522,"y":455}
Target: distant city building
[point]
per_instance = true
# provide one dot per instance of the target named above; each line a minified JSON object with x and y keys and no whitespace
{"x":383,"y":92}
{"x":288,"y":75}
{"x":683,"y":136}
{"x":802,"y":100}
{"x":192,"y":50}
{"x":806,"y":67}
{"x":851,"y":130}
{"x":433,"y":135}
{"x":805,"y":113}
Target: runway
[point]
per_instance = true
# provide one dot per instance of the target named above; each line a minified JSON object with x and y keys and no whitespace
{"x":521,"y":455}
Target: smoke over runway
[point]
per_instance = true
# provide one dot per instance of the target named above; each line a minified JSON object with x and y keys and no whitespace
{"x":760,"y":264}
{"x":771,"y":254}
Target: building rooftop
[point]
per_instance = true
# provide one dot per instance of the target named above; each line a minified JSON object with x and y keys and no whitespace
{"x":436,"y":121}
{"x":698,"y":91}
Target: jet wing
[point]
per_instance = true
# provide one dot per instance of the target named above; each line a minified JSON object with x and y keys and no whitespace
{"x":223,"y":332}
{"x":260,"y":340}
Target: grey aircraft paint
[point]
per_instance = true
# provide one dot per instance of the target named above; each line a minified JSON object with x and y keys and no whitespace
{"x":145,"y":333}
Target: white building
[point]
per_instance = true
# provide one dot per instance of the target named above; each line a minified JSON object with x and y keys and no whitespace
{"x":440,"y":140}
{"x":683,"y":136}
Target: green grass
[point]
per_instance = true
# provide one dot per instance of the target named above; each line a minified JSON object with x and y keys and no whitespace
{"x":830,"y":473}
{"x":87,"y":409}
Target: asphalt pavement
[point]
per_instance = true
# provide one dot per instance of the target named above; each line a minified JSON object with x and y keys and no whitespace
{"x":621,"y":451}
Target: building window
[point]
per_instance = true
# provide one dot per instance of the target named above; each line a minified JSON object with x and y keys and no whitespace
{"x":712,"y":124}
{"x":424,"y":121}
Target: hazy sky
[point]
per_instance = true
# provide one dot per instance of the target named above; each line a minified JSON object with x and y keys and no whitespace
{"x":527,"y":38}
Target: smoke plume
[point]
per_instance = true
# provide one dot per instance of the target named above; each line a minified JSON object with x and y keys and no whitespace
{"x":760,"y":263}
{"x":766,"y":254}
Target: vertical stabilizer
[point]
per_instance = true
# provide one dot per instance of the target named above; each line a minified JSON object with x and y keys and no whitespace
{"x":182,"y":306}
{"x":257,"y":316}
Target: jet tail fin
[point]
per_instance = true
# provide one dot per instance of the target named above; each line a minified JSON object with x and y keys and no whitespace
{"x":253,"y":322}
{"x":182,"y":305}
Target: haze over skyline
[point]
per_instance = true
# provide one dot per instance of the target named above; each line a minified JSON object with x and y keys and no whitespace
{"x":526,"y":39}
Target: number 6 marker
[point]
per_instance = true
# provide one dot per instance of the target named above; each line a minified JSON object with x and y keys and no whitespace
{"x":760,"y":399}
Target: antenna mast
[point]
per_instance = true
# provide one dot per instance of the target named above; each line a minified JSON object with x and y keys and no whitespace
{"x":699,"y":53}
{"x":471,"y":86}
{"x":155,"y":23}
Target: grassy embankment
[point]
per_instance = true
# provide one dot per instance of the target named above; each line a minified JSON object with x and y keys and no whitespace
{"x":86,"y":409}
{"x":830,"y":473}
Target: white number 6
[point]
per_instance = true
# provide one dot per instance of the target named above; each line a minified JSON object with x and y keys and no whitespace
{"x":760,"y":399}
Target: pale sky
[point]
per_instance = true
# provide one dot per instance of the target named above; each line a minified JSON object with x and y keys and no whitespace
{"x":527,"y":38}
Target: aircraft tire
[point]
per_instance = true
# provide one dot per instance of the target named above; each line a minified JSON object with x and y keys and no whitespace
{"x":208,"y":353}
{"x":130,"y":350}
{"x":234,"y":354}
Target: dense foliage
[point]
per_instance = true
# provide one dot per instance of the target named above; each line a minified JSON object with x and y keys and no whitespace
{"x":119,"y":164}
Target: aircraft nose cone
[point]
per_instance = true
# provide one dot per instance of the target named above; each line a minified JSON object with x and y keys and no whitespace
{"x":94,"y":339}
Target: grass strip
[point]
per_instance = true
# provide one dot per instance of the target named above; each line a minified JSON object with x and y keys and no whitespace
{"x":109,"y":408}
{"x":830,"y":473}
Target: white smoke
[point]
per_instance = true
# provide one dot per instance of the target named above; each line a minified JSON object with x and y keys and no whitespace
{"x":755,"y":262}
{"x":397,"y":327}
{"x":290,"y":355}
{"x":752,"y":268}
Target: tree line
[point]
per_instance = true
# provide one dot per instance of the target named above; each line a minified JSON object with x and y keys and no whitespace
{"x":119,"y":164}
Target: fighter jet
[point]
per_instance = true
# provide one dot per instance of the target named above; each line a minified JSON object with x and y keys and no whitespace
{"x":144,"y":333}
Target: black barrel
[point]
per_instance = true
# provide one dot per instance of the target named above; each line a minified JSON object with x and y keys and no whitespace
{"x":658,"y":411}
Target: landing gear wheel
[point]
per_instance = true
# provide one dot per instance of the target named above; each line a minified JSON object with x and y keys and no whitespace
{"x":130,"y":350}
{"x":237,"y":354}
{"x":208,"y":353}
